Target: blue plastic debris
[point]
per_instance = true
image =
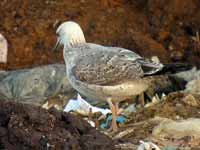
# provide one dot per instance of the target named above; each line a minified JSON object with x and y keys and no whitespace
{"x":119,"y":119}
{"x":170,"y":147}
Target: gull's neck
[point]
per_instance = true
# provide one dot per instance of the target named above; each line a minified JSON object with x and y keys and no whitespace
{"x":71,"y":43}
{"x":69,"y":50}
{"x":66,"y":52}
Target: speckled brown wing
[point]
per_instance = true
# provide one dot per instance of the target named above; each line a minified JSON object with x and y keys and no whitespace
{"x":106,"y":68}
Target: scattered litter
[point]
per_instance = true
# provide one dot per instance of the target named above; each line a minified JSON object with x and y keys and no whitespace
{"x":147,"y":146}
{"x":170,"y":147}
{"x":126,"y":146}
{"x":47,"y":105}
{"x":102,"y":117}
{"x":3,"y":49}
{"x":154,"y":101}
{"x":130,"y":109}
{"x":163,"y":97}
{"x":123,"y":133}
{"x":90,"y":122}
{"x":82,"y":107}
{"x":119,"y":119}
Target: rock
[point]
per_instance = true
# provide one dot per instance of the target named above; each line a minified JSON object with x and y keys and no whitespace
{"x":193,"y":86}
{"x":178,"y":129}
{"x":58,"y":101}
{"x":34,"y":85}
{"x":163,"y":84}
{"x":189,"y":75}
{"x":190,"y":100}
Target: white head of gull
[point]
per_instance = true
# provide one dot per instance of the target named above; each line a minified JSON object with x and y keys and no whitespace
{"x":70,"y":34}
{"x":110,"y":74}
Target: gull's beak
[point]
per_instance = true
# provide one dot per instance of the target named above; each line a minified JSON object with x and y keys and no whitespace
{"x":57,"y":44}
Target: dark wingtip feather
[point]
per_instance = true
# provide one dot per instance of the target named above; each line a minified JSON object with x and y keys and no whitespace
{"x":176,"y":67}
{"x":150,"y":67}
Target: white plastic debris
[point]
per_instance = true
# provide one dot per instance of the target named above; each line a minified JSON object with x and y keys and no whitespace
{"x":83,"y":107}
{"x":3,"y":49}
{"x":154,"y":101}
{"x":90,"y":122}
{"x":163,"y":97}
{"x":155,"y":59}
{"x":147,"y":146}
{"x":131,"y":108}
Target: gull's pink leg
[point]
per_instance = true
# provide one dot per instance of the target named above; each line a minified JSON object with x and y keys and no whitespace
{"x":117,"y":108}
{"x":113,"y":126}
{"x":114,"y":117}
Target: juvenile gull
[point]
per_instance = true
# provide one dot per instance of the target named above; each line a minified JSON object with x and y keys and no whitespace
{"x":109,"y":74}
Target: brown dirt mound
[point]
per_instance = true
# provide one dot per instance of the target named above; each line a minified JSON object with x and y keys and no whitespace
{"x":29,"y":127}
{"x":167,"y":28}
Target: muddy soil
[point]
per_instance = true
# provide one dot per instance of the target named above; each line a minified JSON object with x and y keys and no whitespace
{"x":168,"y":28}
{"x":29,"y":127}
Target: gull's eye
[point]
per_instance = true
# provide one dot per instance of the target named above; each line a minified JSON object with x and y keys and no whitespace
{"x":57,"y":34}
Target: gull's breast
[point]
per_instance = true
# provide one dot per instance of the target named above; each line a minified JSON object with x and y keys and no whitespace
{"x":118,"y":92}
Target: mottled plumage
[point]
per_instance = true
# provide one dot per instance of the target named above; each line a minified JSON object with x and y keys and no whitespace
{"x":111,"y":68}
{"x":104,"y":73}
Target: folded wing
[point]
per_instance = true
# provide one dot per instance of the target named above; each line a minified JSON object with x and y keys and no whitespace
{"x":110,"y":66}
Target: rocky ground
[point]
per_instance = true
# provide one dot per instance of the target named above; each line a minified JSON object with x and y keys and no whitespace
{"x":168,"y":29}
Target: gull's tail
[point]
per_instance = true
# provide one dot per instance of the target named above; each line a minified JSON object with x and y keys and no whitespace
{"x":176,"y":67}
{"x":150,"y":67}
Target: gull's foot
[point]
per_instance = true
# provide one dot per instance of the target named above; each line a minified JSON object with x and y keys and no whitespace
{"x":112,"y":130}
{"x":113,"y":126}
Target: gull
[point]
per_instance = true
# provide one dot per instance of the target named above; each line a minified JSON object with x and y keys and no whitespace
{"x":111,"y":74}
